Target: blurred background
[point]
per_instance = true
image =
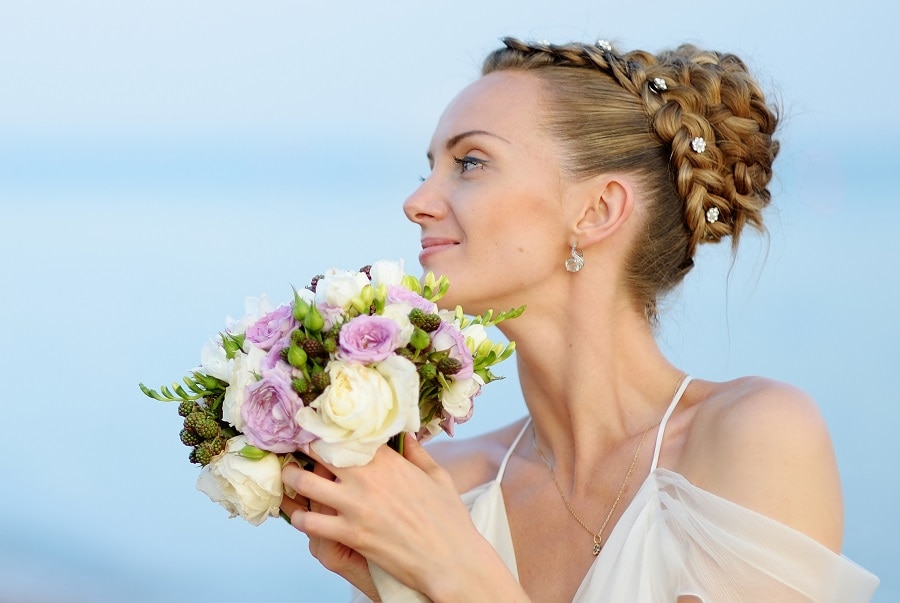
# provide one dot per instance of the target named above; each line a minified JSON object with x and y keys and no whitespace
{"x":160,"y":161}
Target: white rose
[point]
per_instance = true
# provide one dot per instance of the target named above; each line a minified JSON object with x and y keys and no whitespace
{"x":362,"y":409}
{"x":387,"y":273}
{"x":214,"y":361}
{"x":254,"y":309}
{"x":245,"y":369}
{"x":338,"y":287}
{"x":457,"y":400}
{"x":245,"y":487}
{"x":475,"y":334}
{"x":399,"y":313}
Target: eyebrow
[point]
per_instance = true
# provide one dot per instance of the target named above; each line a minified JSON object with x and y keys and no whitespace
{"x":454,"y":140}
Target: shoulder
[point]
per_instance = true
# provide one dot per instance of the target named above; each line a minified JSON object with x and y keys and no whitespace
{"x":476,"y":460}
{"x":765,"y":445}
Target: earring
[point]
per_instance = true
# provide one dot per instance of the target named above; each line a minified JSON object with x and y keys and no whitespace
{"x":576,"y":262}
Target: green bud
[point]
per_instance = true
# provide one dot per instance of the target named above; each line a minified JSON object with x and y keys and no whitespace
{"x":252,"y":452}
{"x":230,"y":344}
{"x":313,"y":321}
{"x":297,"y":356}
{"x":420,"y":339}
{"x":360,"y":305}
{"x":330,"y":344}
{"x":300,"y":307}
{"x":412,"y":283}
{"x":485,"y":348}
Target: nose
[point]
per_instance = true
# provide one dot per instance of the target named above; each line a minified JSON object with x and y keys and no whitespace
{"x":425,"y":203}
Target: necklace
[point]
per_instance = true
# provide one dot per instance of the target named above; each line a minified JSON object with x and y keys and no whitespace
{"x":597,"y":536}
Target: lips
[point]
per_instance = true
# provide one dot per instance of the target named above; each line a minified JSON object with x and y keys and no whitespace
{"x":432,"y":245}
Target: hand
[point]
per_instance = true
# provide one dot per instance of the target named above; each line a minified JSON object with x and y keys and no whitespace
{"x":405,"y":516}
{"x":333,"y":556}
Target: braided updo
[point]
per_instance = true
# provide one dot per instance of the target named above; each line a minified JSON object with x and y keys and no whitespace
{"x":642,"y":113}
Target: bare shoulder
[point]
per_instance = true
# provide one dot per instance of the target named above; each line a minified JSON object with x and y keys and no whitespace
{"x":765,"y":445}
{"x":476,"y":460}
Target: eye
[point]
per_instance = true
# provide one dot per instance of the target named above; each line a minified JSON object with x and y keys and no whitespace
{"x":468,"y":163}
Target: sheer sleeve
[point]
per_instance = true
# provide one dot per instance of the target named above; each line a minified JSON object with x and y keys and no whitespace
{"x":681,"y":541}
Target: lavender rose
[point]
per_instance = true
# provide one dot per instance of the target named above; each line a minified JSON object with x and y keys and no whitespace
{"x":368,"y":339}
{"x":449,"y":337}
{"x":271,"y":327}
{"x":400,"y":294}
{"x":273,"y":358}
{"x":268,"y":411}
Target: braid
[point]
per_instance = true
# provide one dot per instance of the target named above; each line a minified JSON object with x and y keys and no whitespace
{"x":642,"y":113}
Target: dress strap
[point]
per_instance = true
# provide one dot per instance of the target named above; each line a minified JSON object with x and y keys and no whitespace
{"x":662,"y":424}
{"x":509,"y":452}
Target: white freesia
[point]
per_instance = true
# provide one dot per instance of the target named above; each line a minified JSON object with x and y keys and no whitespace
{"x":339,"y":287}
{"x":254,"y":309}
{"x":387,"y":273}
{"x":214,"y":361}
{"x":362,"y":409}
{"x":475,"y":334}
{"x":246,"y":487}
{"x":245,"y":369}
{"x":457,"y":399}
{"x":399,"y":313}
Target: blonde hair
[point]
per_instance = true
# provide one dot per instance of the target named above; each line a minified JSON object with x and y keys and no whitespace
{"x":639,"y":113}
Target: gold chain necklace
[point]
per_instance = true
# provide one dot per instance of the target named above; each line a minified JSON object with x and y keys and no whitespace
{"x":597,"y":536}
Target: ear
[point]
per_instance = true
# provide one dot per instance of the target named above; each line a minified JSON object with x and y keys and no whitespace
{"x":607,"y":203}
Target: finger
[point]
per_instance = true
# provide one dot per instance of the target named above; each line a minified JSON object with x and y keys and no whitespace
{"x":314,"y":485}
{"x":416,"y":454}
{"x":290,"y":505}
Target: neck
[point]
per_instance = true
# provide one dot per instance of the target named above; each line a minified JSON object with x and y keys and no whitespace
{"x":593,"y":380}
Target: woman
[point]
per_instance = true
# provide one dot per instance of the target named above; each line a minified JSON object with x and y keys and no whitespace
{"x":579,"y":181}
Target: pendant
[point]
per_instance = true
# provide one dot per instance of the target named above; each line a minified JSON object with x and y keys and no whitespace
{"x":597,"y":546}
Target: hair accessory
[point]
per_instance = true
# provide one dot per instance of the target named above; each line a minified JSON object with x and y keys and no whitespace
{"x":576,"y":262}
{"x":603,"y":45}
{"x":712,"y":215}
{"x":658,"y":85}
{"x":698,"y":144}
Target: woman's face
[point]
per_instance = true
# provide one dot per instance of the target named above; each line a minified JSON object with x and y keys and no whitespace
{"x":492,"y":209}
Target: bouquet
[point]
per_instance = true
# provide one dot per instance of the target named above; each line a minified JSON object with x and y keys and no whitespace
{"x":356,"y":360}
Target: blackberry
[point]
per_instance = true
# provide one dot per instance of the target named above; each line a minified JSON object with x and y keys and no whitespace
{"x":208,"y":428}
{"x":217,"y":445}
{"x":449,"y":366}
{"x":313,"y":348}
{"x":203,"y":454}
{"x":192,"y":421}
{"x":187,"y":407}
{"x":426,"y":322}
{"x":320,"y":380}
{"x":189,"y":438}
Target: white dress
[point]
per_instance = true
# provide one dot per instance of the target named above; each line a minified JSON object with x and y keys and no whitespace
{"x":675,"y":539}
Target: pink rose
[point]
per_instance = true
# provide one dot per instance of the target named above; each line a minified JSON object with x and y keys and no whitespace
{"x":273,"y":358}
{"x":271,"y":327}
{"x":399,"y":294}
{"x":368,"y":339}
{"x":268,"y":410}
{"x":449,"y":337}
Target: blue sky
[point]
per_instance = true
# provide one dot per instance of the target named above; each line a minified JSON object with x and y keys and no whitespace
{"x":160,"y":161}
